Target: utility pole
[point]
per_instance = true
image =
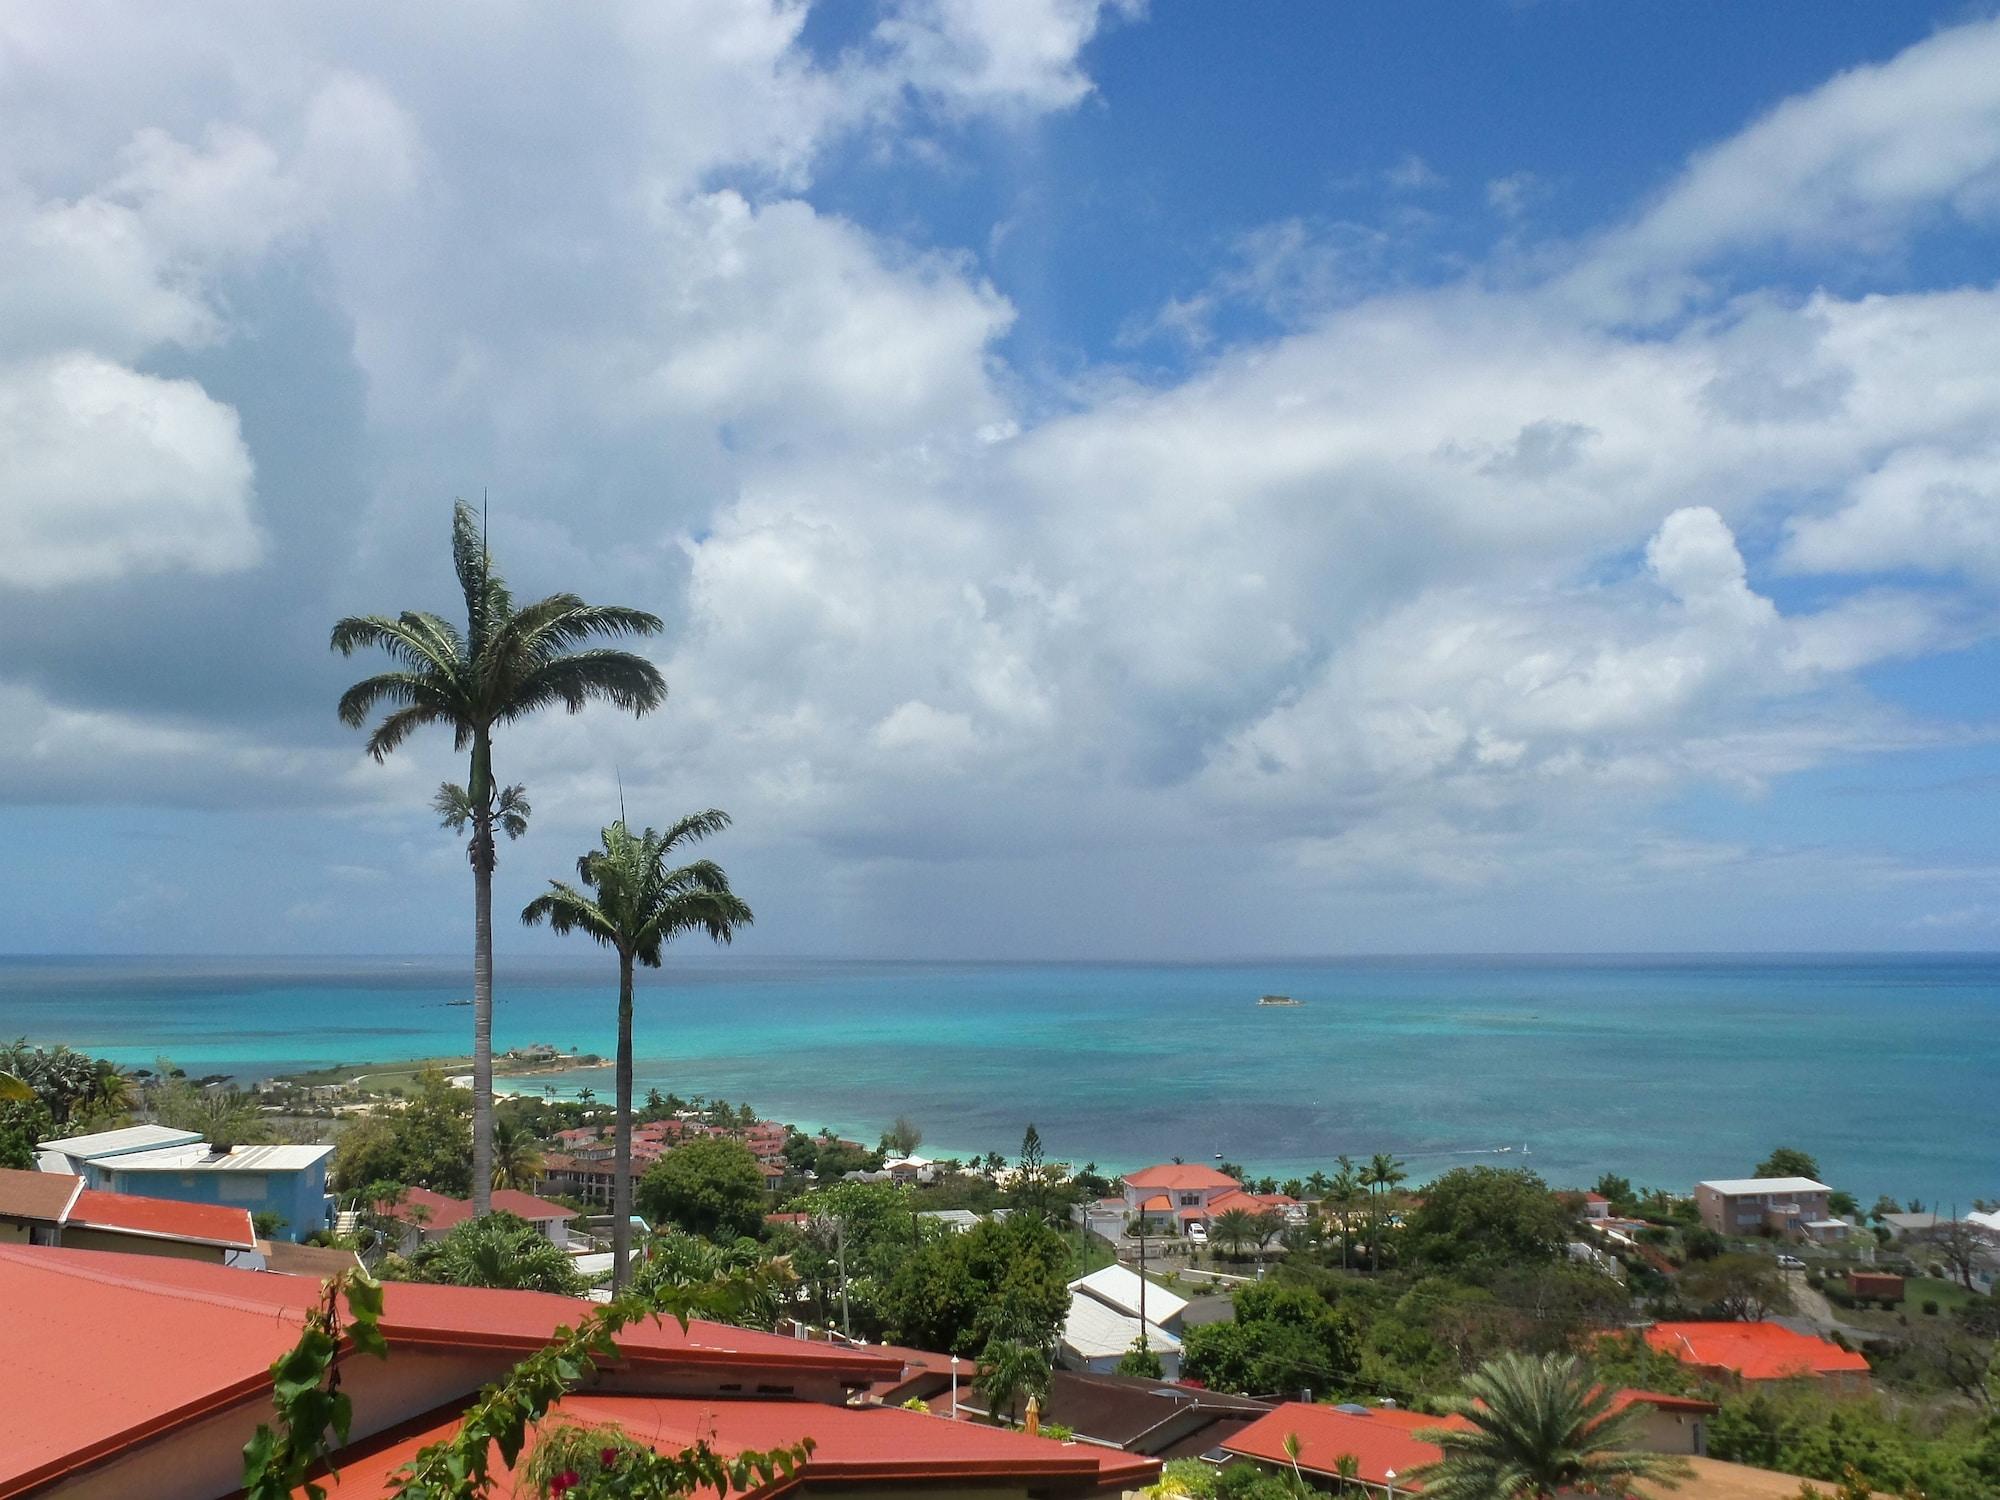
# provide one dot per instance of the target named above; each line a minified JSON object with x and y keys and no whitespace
{"x":840,"y":1250}
{"x":1143,"y":1345}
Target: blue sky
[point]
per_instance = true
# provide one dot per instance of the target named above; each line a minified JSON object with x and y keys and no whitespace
{"x":1173,"y":480}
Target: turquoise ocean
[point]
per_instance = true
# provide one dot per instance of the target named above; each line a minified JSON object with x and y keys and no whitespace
{"x":1665,"y":1069}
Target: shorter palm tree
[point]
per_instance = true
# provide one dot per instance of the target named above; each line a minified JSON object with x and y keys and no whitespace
{"x":1540,"y":1427}
{"x":1011,"y":1372}
{"x":635,"y":902}
{"x":517,"y":1158}
{"x":1233,"y":1229}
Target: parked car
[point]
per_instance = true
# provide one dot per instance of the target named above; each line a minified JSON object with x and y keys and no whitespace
{"x":1197,"y":1235}
{"x":1790,"y":1263}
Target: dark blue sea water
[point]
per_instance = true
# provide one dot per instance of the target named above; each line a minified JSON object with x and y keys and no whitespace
{"x":1667,"y":1070}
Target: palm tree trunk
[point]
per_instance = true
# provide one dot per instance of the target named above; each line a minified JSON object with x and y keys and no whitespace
{"x":480,"y":793}
{"x":621,"y":1169}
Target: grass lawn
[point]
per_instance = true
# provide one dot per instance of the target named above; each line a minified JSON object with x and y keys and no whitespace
{"x":1918,"y":1290}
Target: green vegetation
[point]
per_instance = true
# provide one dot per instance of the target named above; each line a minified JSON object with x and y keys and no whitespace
{"x":1745,"y":1287}
{"x":1284,"y":1339}
{"x":960,"y":1293}
{"x":496,"y":1251}
{"x":427,"y":1143}
{"x":506,"y":665}
{"x":1803,"y":1430}
{"x":1540,"y":1428}
{"x":710,"y":1187}
{"x":637,"y":904}
{"x":56,"y":1091}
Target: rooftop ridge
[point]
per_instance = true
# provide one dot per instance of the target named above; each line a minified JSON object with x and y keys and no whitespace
{"x":282,"y":1312}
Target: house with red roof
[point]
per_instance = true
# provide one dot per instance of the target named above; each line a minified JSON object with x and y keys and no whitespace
{"x":1382,"y":1443}
{"x":132,"y":1375}
{"x":426,"y":1216}
{"x":1669,"y":1423}
{"x":1749,"y":1353}
{"x":54,"y":1208}
{"x":1174,"y":1195}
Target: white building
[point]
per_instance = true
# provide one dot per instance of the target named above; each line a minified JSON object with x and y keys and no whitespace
{"x":1104,"y":1324}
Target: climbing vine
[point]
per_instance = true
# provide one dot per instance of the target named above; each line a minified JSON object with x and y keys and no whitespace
{"x":313,"y":1414}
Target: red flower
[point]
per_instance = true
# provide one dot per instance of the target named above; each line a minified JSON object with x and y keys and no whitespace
{"x":608,"y":1457}
{"x":563,"y":1482}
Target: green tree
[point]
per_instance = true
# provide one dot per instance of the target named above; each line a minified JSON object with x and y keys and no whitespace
{"x":507,"y":664}
{"x":1787,"y":1161}
{"x":1539,"y":1428}
{"x":638,"y":901}
{"x":1140,"y":1362}
{"x":1475,"y":1220}
{"x":1746,"y":1287}
{"x":496,"y":1251}
{"x":1010,"y":1372}
{"x":23,"y":1123}
{"x":1006,"y":1280}
{"x":1284,"y":1339}
{"x":1030,"y":1186}
{"x":224,"y":1117}
{"x":674,"y":1259}
{"x":427,"y":1143}
{"x":902,"y":1137}
{"x":709,"y":1187}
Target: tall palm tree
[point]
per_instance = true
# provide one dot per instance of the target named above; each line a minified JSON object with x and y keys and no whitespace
{"x":1345,"y":1193}
{"x":1540,"y":1427}
{"x":508,"y":663}
{"x":1380,"y":1177}
{"x":638,"y":903}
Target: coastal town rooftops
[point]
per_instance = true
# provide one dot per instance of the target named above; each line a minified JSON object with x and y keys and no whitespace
{"x":107,"y":1350}
{"x":1179,"y":1176}
{"x":163,"y":1219}
{"x":1379,"y":1440}
{"x":870,"y":1446}
{"x":1117,"y":1287}
{"x":1737,"y":1187}
{"x":43,"y":1196}
{"x":437,"y":1212}
{"x":107,"y":1143}
{"x":1753,"y":1351}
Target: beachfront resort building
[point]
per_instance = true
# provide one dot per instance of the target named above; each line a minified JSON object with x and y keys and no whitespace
{"x":287,"y":1183}
{"x":1173,"y":1195}
{"x":1793,"y":1207}
{"x":130,"y":1375}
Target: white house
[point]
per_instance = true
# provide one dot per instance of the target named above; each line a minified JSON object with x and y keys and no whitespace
{"x":1098,"y":1333}
{"x":1174,"y":1195}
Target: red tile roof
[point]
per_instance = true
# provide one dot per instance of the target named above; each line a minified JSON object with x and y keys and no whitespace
{"x":864,"y":1445}
{"x":106,"y":1350}
{"x":1753,"y":1351}
{"x":1378,"y":1440}
{"x":1172,"y":1176}
{"x":443,"y":1213}
{"x":161,"y":1218}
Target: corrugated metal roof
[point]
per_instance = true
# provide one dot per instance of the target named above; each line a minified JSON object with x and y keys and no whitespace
{"x":1118,"y":1287}
{"x":118,"y":1142}
{"x":1098,"y":1331}
{"x":198,"y":1158}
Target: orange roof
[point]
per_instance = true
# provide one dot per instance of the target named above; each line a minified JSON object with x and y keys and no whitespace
{"x":1378,"y":1440}
{"x":1662,"y":1401}
{"x":852,"y":1445}
{"x":1172,"y":1176}
{"x":443,"y":1213}
{"x":1159,"y":1203}
{"x":106,"y":1350}
{"x":161,"y":1218}
{"x":1753,"y":1351}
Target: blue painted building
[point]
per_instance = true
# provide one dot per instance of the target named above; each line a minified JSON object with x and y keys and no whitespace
{"x":155,"y":1161}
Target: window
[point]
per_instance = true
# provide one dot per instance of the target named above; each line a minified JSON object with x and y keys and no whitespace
{"x":1190,"y":1200}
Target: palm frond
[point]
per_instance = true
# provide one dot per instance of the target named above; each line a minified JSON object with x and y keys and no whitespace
{"x":513,"y":810}
{"x":549,"y":627}
{"x":694,"y":827}
{"x":403,"y":689}
{"x":404,"y":722}
{"x":453,"y":805}
{"x":567,"y":910}
{"x":379,"y":632}
{"x":621,"y":678}
{"x":488,"y":604}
